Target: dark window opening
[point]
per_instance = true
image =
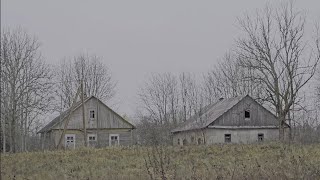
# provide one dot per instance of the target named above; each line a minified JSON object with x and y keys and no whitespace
{"x":92,"y":114}
{"x":260,"y":137}
{"x":227,"y":138}
{"x":247,"y":114}
{"x":199,"y":141}
{"x":92,"y":137}
{"x":184,"y":142}
{"x":178,"y":141}
{"x":114,"y":139}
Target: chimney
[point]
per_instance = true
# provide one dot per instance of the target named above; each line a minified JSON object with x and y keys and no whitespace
{"x":220,"y":99}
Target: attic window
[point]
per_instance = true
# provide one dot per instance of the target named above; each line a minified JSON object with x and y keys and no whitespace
{"x":91,"y":114}
{"x":247,"y":114}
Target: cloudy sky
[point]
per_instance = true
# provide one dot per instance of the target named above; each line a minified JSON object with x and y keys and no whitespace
{"x":136,"y":38}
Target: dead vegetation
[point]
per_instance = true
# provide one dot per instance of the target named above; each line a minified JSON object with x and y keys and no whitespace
{"x":259,"y":161}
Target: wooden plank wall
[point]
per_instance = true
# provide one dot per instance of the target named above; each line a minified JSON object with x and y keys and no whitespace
{"x":104,"y":117}
{"x":259,"y":116}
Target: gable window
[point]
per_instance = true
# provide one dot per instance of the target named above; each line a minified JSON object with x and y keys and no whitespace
{"x":92,"y":137}
{"x":227,"y":138}
{"x":113,"y":139}
{"x":92,"y":115}
{"x":70,"y":140}
{"x":260,"y":137}
{"x":247,"y":114}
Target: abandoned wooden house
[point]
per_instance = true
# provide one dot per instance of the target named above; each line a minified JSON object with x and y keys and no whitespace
{"x":234,"y":120}
{"x":104,"y":127}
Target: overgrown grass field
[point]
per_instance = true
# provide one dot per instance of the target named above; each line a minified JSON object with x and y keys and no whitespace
{"x":258,"y":161}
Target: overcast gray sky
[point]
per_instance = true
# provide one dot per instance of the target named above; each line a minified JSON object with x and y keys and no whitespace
{"x":136,"y":38}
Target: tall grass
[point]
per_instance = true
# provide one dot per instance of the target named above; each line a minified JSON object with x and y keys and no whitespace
{"x":259,"y":161}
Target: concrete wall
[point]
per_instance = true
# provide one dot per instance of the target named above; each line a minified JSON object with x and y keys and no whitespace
{"x":212,"y":136}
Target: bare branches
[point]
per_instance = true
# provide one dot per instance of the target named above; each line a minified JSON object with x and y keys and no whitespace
{"x":159,"y":98}
{"x":25,"y":86}
{"x":97,"y":78}
{"x":275,"y":48}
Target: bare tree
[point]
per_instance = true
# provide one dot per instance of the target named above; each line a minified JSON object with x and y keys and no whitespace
{"x":25,"y":87}
{"x":90,"y":69}
{"x":159,"y":98}
{"x":275,"y":47}
{"x":228,"y":79}
{"x":191,"y":96}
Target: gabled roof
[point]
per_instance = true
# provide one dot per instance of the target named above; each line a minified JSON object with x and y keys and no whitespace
{"x":64,"y":114}
{"x":210,"y":113}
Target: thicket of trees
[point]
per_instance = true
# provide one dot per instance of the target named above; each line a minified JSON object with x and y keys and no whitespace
{"x":25,"y":88}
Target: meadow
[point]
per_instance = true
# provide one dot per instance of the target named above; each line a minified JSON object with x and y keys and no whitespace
{"x":255,"y":161}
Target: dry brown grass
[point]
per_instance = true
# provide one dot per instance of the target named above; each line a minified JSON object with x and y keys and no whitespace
{"x":259,"y":161}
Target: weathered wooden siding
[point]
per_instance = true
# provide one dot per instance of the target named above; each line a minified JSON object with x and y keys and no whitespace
{"x":259,"y":116}
{"x":104,"y":123}
{"x":124,"y":137}
{"x":104,"y":117}
{"x":233,"y":122}
{"x":108,"y":119}
{"x":102,"y":136}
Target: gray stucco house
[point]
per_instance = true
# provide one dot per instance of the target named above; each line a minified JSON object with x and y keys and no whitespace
{"x":104,"y":127}
{"x":234,"y":120}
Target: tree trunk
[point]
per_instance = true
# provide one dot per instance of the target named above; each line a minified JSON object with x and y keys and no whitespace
{"x":290,"y":131}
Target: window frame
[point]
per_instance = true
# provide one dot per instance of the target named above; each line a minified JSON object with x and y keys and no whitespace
{"x":94,"y":114}
{"x":259,"y":137}
{"x":92,"y":135}
{"x":227,"y":138}
{"x":73,"y":139}
{"x":185,"y":142}
{"x":247,"y":114}
{"x":114,"y":135}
